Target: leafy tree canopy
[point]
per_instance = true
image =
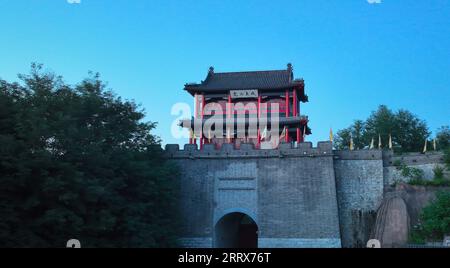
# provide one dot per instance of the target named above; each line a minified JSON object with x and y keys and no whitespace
{"x":79,"y":162}
{"x":407,"y":130}
{"x":434,"y":220}
{"x":443,"y":138}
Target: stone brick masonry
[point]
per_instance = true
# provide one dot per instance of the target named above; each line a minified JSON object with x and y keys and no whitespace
{"x":298,"y":196}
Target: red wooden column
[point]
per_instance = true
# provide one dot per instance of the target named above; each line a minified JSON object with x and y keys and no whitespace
{"x":294,"y":101}
{"x":294,"y":104}
{"x":258,"y":143}
{"x":287,"y":114}
{"x":229,"y":106}
{"x":229,"y":113}
{"x":196,"y":104}
{"x":202,"y":139}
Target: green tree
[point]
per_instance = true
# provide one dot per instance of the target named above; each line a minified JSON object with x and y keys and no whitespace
{"x":407,"y":130}
{"x":356,"y":131}
{"x":434,"y":219}
{"x":380,"y":122}
{"x":79,"y":162}
{"x":443,"y":138}
{"x":447,"y":157}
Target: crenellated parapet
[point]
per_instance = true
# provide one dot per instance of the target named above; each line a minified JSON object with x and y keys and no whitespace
{"x":305,"y":149}
{"x":358,"y":155}
{"x":412,"y":159}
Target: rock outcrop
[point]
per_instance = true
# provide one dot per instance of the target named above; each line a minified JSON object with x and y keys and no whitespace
{"x":393,"y":222}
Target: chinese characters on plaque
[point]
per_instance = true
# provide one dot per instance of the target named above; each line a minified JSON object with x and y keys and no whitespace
{"x":242,"y":94}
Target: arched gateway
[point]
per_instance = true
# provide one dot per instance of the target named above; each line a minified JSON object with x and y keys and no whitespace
{"x":236,"y":230}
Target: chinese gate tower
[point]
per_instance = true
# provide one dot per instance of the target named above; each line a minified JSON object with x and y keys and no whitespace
{"x":244,"y":98}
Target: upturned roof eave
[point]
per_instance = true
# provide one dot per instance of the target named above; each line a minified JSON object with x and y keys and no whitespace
{"x":192,"y":89}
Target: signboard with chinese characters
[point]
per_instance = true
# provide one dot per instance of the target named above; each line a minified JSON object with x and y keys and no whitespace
{"x":243,"y":94}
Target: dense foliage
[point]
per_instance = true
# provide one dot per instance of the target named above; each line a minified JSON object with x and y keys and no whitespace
{"x":407,"y":130}
{"x":78,"y":162}
{"x":434,"y":220}
{"x":443,"y":138}
{"x":447,"y":158}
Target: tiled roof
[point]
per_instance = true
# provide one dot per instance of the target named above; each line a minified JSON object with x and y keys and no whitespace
{"x":275,"y":79}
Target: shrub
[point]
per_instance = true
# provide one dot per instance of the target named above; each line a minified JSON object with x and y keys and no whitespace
{"x":438,"y":172}
{"x":418,"y":181}
{"x":447,"y":158}
{"x":397,"y":163}
{"x":434,"y":220}
{"x":413,"y":173}
{"x":416,"y":176}
{"x":417,"y":236}
{"x":436,"y":216}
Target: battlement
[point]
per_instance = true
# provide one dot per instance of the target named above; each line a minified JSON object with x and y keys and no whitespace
{"x":412,"y":159}
{"x":305,"y":149}
{"x":358,"y":155}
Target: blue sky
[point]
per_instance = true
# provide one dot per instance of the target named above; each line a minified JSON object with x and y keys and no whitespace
{"x":353,"y":55}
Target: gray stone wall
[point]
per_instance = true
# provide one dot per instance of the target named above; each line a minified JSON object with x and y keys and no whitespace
{"x":359,"y":177}
{"x":299,"y":243}
{"x":425,"y":162}
{"x":290,"y":193}
{"x":196,"y":242}
{"x":298,"y":196}
{"x":297,"y":199}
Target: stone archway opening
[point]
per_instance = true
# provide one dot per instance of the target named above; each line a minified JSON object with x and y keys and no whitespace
{"x":236,"y":230}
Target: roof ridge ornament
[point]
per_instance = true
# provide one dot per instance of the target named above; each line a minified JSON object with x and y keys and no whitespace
{"x":211,"y":70}
{"x":290,"y":71}
{"x":289,"y":66}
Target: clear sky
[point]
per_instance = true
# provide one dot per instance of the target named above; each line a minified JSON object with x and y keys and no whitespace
{"x":352,"y":54}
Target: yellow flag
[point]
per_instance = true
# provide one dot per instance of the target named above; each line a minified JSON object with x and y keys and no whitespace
{"x":192,"y":134}
{"x":264,"y":134}
{"x":283,"y":134}
{"x":331,"y":134}
{"x":390,"y":142}
{"x":425,"y":147}
{"x":372,"y":144}
{"x":351,"y":143}
{"x":379,"y":141}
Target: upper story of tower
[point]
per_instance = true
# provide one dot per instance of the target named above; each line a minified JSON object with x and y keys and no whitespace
{"x":258,"y":87}
{"x":252,"y":99}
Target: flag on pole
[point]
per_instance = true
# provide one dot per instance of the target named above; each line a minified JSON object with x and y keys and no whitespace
{"x":351,"y":142}
{"x":283,"y":134}
{"x":390,"y":142}
{"x":372,"y":144}
{"x":425,"y":147}
{"x":379,"y":141}
{"x":434,"y":144}
{"x":331,"y":134}
{"x":264,"y":134}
